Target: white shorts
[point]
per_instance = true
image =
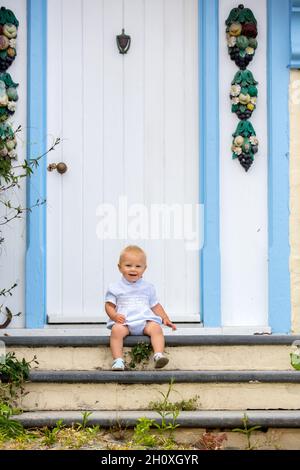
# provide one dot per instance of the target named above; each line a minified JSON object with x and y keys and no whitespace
{"x":137,"y":328}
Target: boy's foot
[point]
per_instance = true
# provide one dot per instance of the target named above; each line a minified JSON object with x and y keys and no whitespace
{"x":160,"y":360}
{"x":118,"y":364}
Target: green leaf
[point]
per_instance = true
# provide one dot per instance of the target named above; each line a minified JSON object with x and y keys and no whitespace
{"x":245,"y":129}
{"x":6,"y":78}
{"x":7,"y":16}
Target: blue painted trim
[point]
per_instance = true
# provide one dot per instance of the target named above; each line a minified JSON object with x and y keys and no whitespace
{"x":209,"y":159}
{"x":36,"y":145}
{"x":278,"y":169}
{"x":295,"y":34}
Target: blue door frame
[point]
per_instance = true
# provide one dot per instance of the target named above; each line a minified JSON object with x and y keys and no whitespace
{"x":278,"y":163}
{"x":35,"y":290}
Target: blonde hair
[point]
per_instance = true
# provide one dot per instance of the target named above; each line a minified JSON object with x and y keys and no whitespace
{"x":132,"y":249}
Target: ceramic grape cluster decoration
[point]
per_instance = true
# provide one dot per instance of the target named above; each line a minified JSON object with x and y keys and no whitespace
{"x":241,"y":33}
{"x":8,"y":88}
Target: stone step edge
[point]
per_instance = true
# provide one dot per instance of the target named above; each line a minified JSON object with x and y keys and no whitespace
{"x":186,"y":419}
{"x":178,"y":340}
{"x":160,"y":376}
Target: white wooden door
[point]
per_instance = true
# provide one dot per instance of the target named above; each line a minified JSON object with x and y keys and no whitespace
{"x":129,"y":130}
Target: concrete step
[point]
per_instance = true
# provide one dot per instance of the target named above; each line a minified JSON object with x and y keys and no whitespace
{"x":279,"y":429}
{"x":187,"y":419}
{"x":214,"y":352}
{"x":215,"y":390}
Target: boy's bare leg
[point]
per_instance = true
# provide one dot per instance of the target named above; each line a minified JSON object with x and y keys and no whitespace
{"x":155,"y":332}
{"x":118,"y":333}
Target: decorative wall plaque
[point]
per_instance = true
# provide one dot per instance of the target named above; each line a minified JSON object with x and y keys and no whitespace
{"x":241,"y":33}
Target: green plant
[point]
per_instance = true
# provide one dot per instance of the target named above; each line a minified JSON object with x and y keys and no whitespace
{"x":15,"y":372}
{"x":9,"y":428}
{"x":11,"y":176}
{"x":51,"y":435}
{"x":247,"y":431}
{"x":85,"y":418}
{"x":139,"y":354}
{"x":183,"y":405}
{"x":142,"y":434}
{"x":93,"y":430}
{"x":168,"y":423}
{"x":168,"y":414}
{"x":295,"y":354}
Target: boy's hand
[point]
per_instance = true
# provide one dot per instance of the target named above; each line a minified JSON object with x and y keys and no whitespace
{"x":120,"y":318}
{"x":168,"y":322}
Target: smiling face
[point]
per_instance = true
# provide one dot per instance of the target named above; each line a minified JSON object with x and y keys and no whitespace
{"x":132,"y":265}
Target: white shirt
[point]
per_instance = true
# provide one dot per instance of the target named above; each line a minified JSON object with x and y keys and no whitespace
{"x":134,"y":300}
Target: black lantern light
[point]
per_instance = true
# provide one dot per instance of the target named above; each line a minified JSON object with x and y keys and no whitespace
{"x":123,"y":42}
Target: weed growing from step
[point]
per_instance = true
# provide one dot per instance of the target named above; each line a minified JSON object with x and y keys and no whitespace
{"x":51,"y":435}
{"x":165,"y":429}
{"x":118,"y":430}
{"x":85,"y":418}
{"x":83,"y":426}
{"x":183,"y":405}
{"x":168,"y":416}
{"x":13,"y":370}
{"x":13,"y":375}
{"x":142,"y":433}
{"x":166,"y":405}
{"x":139,"y":354}
{"x":93,"y":430}
{"x":9,"y":429}
{"x":247,"y":431}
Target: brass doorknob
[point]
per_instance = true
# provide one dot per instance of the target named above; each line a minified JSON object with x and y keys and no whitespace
{"x":61,"y":167}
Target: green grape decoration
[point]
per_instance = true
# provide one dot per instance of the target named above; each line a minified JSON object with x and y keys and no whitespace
{"x":244,"y":144}
{"x":8,"y":34}
{"x":241,"y":33}
{"x":243,"y":94}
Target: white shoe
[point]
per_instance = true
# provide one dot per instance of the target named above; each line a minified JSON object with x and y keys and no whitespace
{"x":160,"y":360}
{"x":118,"y":364}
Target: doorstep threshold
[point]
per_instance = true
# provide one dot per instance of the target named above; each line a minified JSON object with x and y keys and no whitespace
{"x":188,"y":329}
{"x":69,"y":340}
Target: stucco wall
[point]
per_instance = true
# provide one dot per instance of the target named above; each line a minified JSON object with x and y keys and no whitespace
{"x":12,"y":254}
{"x":295,"y":198}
